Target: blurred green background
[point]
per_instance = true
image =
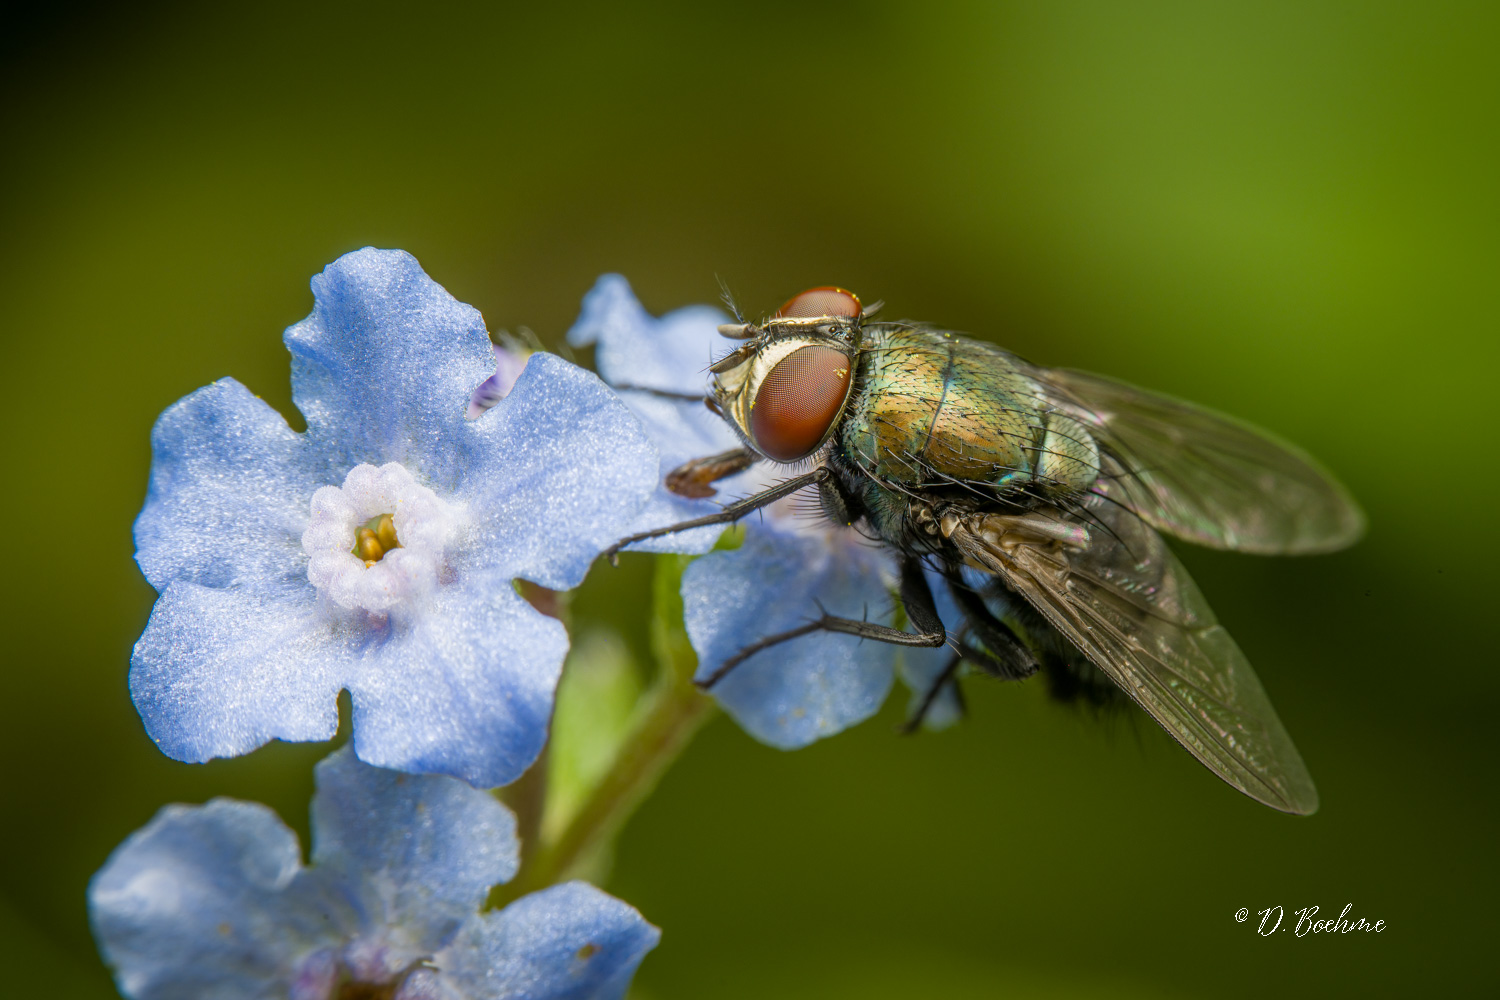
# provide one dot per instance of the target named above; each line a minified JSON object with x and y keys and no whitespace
{"x":1285,"y":211}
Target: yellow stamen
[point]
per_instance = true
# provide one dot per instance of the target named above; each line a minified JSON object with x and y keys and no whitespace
{"x":385,"y":530}
{"x":375,"y":538}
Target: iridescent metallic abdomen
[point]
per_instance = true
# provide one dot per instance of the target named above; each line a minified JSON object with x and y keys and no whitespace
{"x":933,"y":407}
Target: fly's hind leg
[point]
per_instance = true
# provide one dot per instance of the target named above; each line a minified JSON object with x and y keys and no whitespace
{"x":930,"y":696}
{"x":1001,"y":655}
{"x":963,"y":652}
{"x":1004,"y":656}
{"x":920,"y":608}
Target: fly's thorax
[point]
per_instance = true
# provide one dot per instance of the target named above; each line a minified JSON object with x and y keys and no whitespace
{"x":788,"y":392}
{"x":934,"y":407}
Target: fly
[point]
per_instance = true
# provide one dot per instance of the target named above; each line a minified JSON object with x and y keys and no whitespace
{"x":1037,"y":495}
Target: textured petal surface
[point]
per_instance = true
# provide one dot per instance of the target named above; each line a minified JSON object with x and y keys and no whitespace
{"x":220,"y":672}
{"x":569,"y":942}
{"x":413,"y":852}
{"x":812,"y":686}
{"x":633,"y":348}
{"x":671,"y":354}
{"x":193,"y":905}
{"x":229,"y":492}
{"x":464,"y":689}
{"x":386,"y":365}
{"x":556,"y":471}
{"x":213,"y":902}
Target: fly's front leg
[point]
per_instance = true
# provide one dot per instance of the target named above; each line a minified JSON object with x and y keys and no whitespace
{"x":682,"y":397}
{"x":691,"y":479}
{"x":686,"y":397}
{"x":920,"y":608}
{"x":733,"y":512}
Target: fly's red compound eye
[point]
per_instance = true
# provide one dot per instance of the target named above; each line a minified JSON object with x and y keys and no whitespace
{"x":824,"y":301}
{"x":798,"y":401}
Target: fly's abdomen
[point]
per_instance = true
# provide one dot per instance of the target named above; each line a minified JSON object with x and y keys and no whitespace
{"x":934,"y":406}
{"x":1068,"y":458}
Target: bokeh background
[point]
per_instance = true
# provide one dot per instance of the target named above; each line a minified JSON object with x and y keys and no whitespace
{"x":1284,"y":210}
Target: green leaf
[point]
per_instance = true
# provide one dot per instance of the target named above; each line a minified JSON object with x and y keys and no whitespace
{"x":669,"y":638}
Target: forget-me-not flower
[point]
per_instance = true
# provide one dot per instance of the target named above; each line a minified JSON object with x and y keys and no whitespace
{"x":659,"y":367}
{"x":214,"y":901}
{"x":793,"y":564}
{"x":377,"y":551}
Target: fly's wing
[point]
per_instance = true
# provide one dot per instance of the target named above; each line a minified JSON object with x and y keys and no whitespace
{"x":1208,"y":478}
{"x":1130,"y":607}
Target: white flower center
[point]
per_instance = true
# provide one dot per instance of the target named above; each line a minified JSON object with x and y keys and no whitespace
{"x":358,"y":559}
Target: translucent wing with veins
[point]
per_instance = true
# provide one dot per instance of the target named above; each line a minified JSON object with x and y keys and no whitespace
{"x":1205,"y":477}
{"x":1122,"y":598}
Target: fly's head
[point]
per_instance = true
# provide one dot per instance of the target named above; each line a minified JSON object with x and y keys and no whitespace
{"x":785,"y":388}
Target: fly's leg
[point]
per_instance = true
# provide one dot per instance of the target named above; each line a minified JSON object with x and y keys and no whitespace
{"x":733,"y":512}
{"x":915,"y":595}
{"x":755,"y":647}
{"x":692,"y":479}
{"x":929,"y":697}
{"x":963,"y":652}
{"x":1007,"y":656}
{"x":827,"y":623}
{"x":1003,"y":655}
{"x":686,"y":397}
{"x":683,"y":397}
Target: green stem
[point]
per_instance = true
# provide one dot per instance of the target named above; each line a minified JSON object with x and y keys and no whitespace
{"x":666,"y":728}
{"x":674,"y":712}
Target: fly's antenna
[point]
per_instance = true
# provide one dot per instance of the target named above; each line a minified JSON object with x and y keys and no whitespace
{"x":727,"y":297}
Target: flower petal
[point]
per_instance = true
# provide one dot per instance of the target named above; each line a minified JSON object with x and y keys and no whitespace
{"x":464,"y":689}
{"x":569,"y":942}
{"x":810,"y":687}
{"x":229,"y":492}
{"x":670,"y":354}
{"x":220,"y":672}
{"x":418,"y":852}
{"x":557,"y":471}
{"x":635,"y":349}
{"x":386,"y":365}
{"x":508,"y":365}
{"x":205,"y":882}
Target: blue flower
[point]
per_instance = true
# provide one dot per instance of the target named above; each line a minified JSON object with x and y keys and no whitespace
{"x":282,"y":580}
{"x":792,"y":564}
{"x":650,"y":362}
{"x":214,"y":901}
